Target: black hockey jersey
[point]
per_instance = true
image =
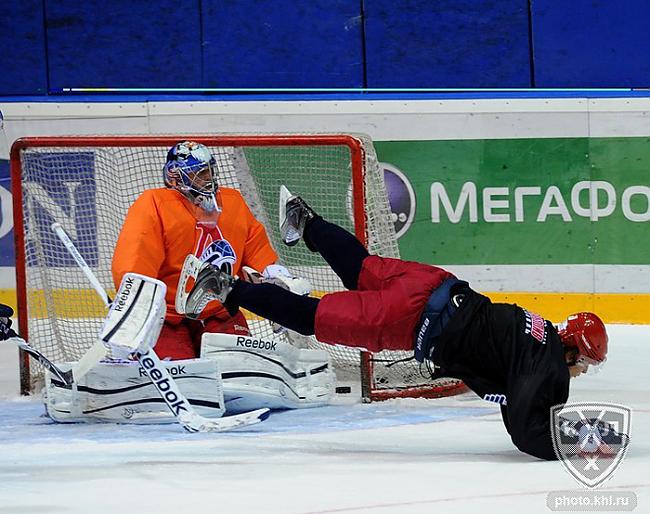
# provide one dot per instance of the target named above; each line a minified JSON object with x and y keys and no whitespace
{"x":511,"y":356}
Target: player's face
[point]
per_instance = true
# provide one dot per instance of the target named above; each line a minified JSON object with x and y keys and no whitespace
{"x":580,"y":364}
{"x":202,"y":180}
{"x":578,"y":369}
{"x":576,"y":366}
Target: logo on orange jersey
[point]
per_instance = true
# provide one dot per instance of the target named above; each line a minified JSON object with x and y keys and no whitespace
{"x":213,"y":248}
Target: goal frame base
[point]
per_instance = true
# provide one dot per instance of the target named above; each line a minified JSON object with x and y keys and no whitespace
{"x":371,"y":393}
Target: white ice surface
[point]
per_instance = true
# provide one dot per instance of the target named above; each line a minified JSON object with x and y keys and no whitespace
{"x":402,"y":456}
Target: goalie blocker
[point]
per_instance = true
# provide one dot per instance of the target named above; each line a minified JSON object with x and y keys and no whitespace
{"x":135,"y":317}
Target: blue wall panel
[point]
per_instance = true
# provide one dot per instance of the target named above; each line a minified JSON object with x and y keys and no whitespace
{"x":591,"y":43}
{"x":122,"y":43}
{"x":320,"y":44}
{"x":447,"y":43}
{"x":282,"y":43}
{"x":22,"y":44}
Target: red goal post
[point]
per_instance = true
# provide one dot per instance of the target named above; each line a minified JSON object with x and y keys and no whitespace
{"x":87,"y":183}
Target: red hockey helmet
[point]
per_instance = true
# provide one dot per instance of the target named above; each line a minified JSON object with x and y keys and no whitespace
{"x":586,"y":332}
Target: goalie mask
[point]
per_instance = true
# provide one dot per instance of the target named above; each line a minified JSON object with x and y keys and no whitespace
{"x":586,"y":333}
{"x":192,"y":170}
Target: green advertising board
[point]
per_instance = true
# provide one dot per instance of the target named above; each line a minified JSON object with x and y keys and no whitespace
{"x":525,"y":201}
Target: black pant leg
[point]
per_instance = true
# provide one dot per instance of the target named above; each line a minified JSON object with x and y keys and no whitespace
{"x":277,"y":304}
{"x":340,"y":249}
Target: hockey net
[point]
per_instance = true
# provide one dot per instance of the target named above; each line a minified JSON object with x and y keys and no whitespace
{"x":88,"y":183}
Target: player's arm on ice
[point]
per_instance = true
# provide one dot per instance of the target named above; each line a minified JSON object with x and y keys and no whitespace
{"x":527,"y":415}
{"x":140,"y":245}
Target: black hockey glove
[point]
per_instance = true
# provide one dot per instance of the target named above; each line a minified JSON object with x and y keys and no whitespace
{"x":5,"y":322}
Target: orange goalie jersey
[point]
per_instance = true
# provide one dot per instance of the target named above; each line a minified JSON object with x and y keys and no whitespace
{"x":161,"y":229}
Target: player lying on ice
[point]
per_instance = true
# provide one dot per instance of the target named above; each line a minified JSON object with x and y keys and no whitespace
{"x":502,"y":352}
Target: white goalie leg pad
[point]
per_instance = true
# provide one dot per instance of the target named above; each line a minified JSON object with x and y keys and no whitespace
{"x":136,"y":316}
{"x":268,"y":373}
{"x":123,"y":393}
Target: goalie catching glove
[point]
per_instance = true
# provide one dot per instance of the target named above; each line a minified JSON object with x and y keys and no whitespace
{"x":209,"y":284}
{"x":135,"y":318}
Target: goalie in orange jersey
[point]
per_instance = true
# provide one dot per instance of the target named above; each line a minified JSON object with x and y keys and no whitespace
{"x":192,"y":215}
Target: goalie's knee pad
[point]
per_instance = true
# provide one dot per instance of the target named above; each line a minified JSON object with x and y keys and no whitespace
{"x":260,"y":373}
{"x":123,"y":393}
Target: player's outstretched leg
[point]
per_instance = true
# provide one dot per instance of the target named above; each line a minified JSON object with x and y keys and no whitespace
{"x":270,"y":301}
{"x":340,"y":249}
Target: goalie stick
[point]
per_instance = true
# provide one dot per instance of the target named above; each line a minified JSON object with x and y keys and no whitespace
{"x":97,"y":351}
{"x":180,"y":406}
{"x":65,"y":376}
{"x":9,"y":334}
{"x":81,"y":262}
{"x":166,"y":386}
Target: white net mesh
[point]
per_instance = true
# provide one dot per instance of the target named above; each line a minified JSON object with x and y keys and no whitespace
{"x":89,"y":187}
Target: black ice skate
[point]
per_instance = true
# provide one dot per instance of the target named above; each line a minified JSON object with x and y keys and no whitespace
{"x":211,"y":284}
{"x":294,"y":215}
